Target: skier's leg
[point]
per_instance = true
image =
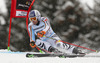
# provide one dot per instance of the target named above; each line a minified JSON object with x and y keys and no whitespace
{"x":57,"y":44}
{"x":60,"y":45}
{"x":64,"y":47}
{"x":43,"y":44}
{"x":68,"y":48}
{"x":46,"y":45}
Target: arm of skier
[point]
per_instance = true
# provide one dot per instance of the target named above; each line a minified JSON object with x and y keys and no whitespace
{"x":32,"y":37}
{"x":47,"y":24}
{"x":47,"y":27}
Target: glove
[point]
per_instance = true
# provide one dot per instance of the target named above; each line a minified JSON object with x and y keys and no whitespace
{"x":32,"y":44}
{"x":40,"y":34}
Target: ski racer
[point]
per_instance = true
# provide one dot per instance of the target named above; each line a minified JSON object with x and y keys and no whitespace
{"x":40,"y":27}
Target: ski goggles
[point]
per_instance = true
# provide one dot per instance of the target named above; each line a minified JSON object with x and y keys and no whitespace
{"x":33,"y":19}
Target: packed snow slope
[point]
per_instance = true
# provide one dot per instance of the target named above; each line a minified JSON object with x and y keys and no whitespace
{"x":19,"y":57}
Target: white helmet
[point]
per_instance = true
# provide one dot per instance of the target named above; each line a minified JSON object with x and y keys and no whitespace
{"x":35,"y":13}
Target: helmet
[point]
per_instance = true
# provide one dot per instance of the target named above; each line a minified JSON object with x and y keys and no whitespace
{"x":35,"y":13}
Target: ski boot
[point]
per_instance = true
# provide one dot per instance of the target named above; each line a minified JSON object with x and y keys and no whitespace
{"x":56,"y":51}
{"x":78,"y":52}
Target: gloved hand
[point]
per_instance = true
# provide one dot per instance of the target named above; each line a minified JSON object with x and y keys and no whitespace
{"x":32,"y":44}
{"x":40,"y":34}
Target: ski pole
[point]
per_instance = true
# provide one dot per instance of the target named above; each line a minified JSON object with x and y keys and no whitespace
{"x":44,"y":50}
{"x":39,"y":49}
{"x":72,"y":44}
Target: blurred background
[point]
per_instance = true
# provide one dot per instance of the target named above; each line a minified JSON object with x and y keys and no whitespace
{"x":74,"y":21}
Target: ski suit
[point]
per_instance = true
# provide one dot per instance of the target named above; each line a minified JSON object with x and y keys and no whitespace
{"x":45,"y":42}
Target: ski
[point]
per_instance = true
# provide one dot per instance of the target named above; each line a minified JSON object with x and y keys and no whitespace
{"x":61,"y":55}
{"x":29,"y":55}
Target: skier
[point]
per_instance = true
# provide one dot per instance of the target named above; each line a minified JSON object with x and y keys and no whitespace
{"x":40,"y":27}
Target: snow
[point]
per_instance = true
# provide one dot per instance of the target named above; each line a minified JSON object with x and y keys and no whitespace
{"x":3,"y":8}
{"x":89,"y":2}
{"x":68,"y":3}
{"x":19,"y":57}
{"x":3,"y":11}
{"x":2,"y":20}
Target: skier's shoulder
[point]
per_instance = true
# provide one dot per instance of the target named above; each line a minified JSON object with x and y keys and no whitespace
{"x":44,"y":19}
{"x":30,"y":24}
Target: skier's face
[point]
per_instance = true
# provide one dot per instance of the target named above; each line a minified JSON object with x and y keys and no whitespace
{"x":34,"y":20}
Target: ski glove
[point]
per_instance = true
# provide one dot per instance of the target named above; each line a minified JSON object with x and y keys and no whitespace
{"x":32,"y":44}
{"x":40,"y":34}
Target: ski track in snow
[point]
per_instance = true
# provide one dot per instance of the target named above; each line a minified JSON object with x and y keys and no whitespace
{"x":19,"y":57}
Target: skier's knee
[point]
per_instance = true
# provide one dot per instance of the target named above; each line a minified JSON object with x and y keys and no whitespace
{"x":51,"y":49}
{"x":59,"y":44}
